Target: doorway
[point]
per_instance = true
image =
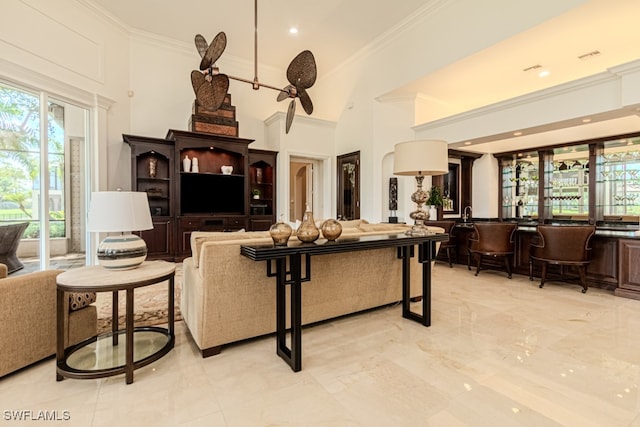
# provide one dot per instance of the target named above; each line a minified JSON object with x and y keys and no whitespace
{"x":301,"y":173}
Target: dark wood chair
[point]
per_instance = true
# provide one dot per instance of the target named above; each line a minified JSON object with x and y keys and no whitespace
{"x":10,"y":236}
{"x":449,"y":245}
{"x":492,"y":239}
{"x":562,"y":245}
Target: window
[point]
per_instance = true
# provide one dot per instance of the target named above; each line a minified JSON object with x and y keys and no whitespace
{"x":20,"y":161}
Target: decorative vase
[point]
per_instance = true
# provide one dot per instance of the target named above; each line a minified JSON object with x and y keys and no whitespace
{"x":259,"y":175}
{"x":194,"y":165}
{"x":308,"y":232}
{"x":226,"y":170}
{"x":186,"y":163}
{"x":280,"y":233}
{"x":331,"y":229}
{"x":433,"y":213}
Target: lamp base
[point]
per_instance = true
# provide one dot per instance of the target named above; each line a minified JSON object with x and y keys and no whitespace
{"x":419,"y":230}
{"x":122,"y":252}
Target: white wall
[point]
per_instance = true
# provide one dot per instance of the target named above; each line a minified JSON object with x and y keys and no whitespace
{"x":310,"y":138}
{"x":68,"y":50}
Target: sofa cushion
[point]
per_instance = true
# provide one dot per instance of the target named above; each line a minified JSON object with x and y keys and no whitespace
{"x":78,"y":300}
{"x":353,"y":223}
{"x":199,"y":237}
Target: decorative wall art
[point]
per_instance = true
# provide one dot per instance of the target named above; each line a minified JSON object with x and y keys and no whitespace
{"x":451,"y":190}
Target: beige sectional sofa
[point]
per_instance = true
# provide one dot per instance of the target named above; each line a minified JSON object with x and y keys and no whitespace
{"x":28,"y":319}
{"x":226,"y":297}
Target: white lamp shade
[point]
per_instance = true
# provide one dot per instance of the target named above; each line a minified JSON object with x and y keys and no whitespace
{"x":422,"y":157}
{"x":119,"y":211}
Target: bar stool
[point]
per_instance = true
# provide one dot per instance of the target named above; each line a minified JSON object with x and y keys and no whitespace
{"x":492,"y":239}
{"x":448,"y":245}
{"x":562,"y":245}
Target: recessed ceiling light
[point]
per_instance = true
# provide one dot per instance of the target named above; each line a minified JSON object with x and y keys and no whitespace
{"x":517,"y":133}
{"x":589,"y":55}
{"x":544,"y":73}
{"x":533,"y":67}
{"x":586,"y":120}
{"x":467,"y":143}
{"x":293,"y":30}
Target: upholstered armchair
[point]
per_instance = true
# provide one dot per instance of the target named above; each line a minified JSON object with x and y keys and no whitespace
{"x":562,"y":245}
{"x":493,"y":240}
{"x":10,"y":236}
{"x":28,"y":319}
{"x":448,"y":245}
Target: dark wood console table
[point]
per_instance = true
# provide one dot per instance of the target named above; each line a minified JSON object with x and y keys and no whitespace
{"x":292,"y":254}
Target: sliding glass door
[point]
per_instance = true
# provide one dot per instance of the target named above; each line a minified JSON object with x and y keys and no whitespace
{"x":42,"y":173}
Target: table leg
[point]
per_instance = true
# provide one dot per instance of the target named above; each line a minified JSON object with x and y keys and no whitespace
{"x":59,"y":331}
{"x":405,"y":256}
{"x":171,"y":308}
{"x":293,"y":355}
{"x":114,"y":318}
{"x":426,"y":254}
{"x":129,"y":337}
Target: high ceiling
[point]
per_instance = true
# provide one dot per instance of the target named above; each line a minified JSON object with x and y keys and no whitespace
{"x":334,"y":30}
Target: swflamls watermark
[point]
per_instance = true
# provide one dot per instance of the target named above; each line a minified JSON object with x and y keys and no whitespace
{"x":35,"y":415}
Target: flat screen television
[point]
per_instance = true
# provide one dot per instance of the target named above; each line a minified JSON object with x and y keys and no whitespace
{"x":212,"y":194}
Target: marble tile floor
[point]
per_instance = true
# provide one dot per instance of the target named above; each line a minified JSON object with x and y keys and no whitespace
{"x":499,"y":353}
{"x":62,"y":262}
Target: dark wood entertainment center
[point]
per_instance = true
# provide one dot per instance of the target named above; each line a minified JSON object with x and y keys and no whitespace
{"x":206,"y":199}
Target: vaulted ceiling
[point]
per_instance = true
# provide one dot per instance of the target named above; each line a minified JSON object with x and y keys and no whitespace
{"x":587,"y":40}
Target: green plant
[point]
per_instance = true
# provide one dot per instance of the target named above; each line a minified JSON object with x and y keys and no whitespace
{"x":256,"y":192}
{"x":435,"y":197}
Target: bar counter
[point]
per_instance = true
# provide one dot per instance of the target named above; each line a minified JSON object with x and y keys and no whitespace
{"x":615,"y":248}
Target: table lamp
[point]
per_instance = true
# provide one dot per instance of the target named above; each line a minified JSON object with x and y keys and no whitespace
{"x":120,"y":212}
{"x":420,"y":158}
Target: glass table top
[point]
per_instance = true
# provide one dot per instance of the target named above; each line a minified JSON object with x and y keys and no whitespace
{"x":102,"y":354}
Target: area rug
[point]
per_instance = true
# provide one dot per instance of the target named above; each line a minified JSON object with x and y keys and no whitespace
{"x":149,"y":304}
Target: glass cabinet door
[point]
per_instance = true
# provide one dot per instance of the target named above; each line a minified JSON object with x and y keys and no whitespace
{"x":568,"y":183}
{"x":520,"y":178}
{"x":618,"y":179}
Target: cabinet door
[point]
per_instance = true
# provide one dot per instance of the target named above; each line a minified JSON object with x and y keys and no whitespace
{"x":159,"y":239}
{"x":629,"y":269}
{"x":519,"y":191}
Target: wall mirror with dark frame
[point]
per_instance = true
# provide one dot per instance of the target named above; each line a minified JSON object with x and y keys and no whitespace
{"x":348,"y":168}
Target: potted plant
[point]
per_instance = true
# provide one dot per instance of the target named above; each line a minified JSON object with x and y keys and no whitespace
{"x":435,"y":199}
{"x":256,"y":193}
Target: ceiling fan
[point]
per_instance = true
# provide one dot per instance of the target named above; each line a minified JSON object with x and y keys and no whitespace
{"x":211,"y":86}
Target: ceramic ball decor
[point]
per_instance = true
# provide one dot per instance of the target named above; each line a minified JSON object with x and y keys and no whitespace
{"x":331,"y":229}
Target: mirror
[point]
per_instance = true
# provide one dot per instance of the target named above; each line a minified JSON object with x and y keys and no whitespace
{"x":348,"y":167}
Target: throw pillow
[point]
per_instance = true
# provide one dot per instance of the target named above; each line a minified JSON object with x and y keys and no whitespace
{"x":78,"y":300}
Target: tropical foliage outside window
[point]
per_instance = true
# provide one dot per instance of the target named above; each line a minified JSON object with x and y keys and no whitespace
{"x":20,"y":161}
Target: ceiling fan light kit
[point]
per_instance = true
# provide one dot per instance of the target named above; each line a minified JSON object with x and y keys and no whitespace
{"x":211,"y":86}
